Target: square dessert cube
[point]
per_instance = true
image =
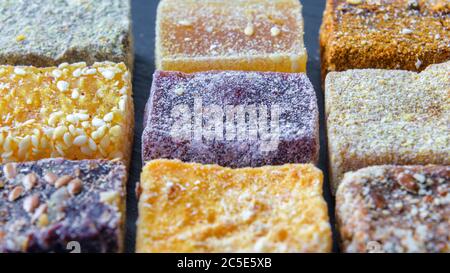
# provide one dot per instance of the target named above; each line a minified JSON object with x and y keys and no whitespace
{"x":395,"y":34}
{"x":232,"y":118}
{"x":204,"y":35}
{"x":189,"y":207}
{"x":387,"y":117}
{"x":57,"y":205}
{"x":72,"y":111}
{"x":395,"y":209}
{"x":48,"y":32}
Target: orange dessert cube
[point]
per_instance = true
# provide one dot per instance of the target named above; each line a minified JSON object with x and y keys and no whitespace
{"x":71,"y":111}
{"x":190,"y":207}
{"x":257,"y":35}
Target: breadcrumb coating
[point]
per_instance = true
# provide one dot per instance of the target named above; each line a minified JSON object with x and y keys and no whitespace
{"x":377,"y":117}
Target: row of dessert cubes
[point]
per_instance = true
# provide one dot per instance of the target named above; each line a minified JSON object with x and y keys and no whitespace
{"x":297,"y":143}
{"x":374,"y":117}
{"x":234,"y":110}
{"x":391,"y":118}
{"x":65,"y":92}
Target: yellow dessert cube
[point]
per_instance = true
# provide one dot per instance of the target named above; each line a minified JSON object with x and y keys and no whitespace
{"x":189,"y":207}
{"x":72,"y":111}
{"x":256,"y":35}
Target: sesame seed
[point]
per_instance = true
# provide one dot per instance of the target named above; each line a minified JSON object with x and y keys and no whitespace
{"x":77,"y":73}
{"x":19,"y":71}
{"x":62,"y":86}
{"x":108,"y":73}
{"x":108,"y":117}
{"x":97,"y":122}
{"x":56,"y":73}
{"x":75,"y":94}
{"x":406,"y":31}
{"x":80,"y":140}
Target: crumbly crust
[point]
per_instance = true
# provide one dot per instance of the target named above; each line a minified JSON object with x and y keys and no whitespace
{"x":377,"y":117}
{"x":46,"y":204}
{"x":395,"y":209}
{"x":206,"y":208}
{"x":387,"y":34}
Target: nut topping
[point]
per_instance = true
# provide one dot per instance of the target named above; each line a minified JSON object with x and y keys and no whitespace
{"x":408,"y":182}
{"x":31,"y":203}
{"x":15,"y":193}
{"x":75,"y":186}
{"x":10,"y":170}
{"x":50,"y":178}
{"x":29,"y":181}
{"x":62,"y":181}
{"x":38,"y":212}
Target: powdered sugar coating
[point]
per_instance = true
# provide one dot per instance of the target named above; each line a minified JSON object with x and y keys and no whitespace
{"x":396,"y":208}
{"x":293,"y":93}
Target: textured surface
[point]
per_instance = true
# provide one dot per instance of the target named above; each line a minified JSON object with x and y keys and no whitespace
{"x":71,"y":111}
{"x":387,"y":34}
{"x":396,"y":208}
{"x":293,"y":134}
{"x":143,"y":13}
{"x":206,"y":208}
{"x":46,"y":204}
{"x":201,"y":35}
{"x":378,"y":117}
{"x":49,"y":32}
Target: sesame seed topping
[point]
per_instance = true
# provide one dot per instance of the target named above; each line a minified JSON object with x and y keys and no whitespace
{"x":19,"y":71}
{"x":62,"y":86}
{"x":406,"y":31}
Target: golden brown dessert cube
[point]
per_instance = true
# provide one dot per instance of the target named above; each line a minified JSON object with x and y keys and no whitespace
{"x":257,"y":35}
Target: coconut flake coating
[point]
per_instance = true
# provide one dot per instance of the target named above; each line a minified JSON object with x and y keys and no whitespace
{"x":49,"y":32}
{"x":46,"y":204}
{"x":293,"y":94}
{"x":395,"y":209}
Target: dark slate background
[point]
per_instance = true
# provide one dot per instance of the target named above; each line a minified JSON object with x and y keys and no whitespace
{"x":144,"y":16}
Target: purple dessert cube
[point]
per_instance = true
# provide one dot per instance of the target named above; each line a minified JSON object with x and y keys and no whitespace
{"x":58,"y":205}
{"x":231,"y":118}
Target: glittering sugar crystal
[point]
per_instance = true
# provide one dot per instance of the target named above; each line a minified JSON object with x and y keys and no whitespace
{"x":232,"y":118}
